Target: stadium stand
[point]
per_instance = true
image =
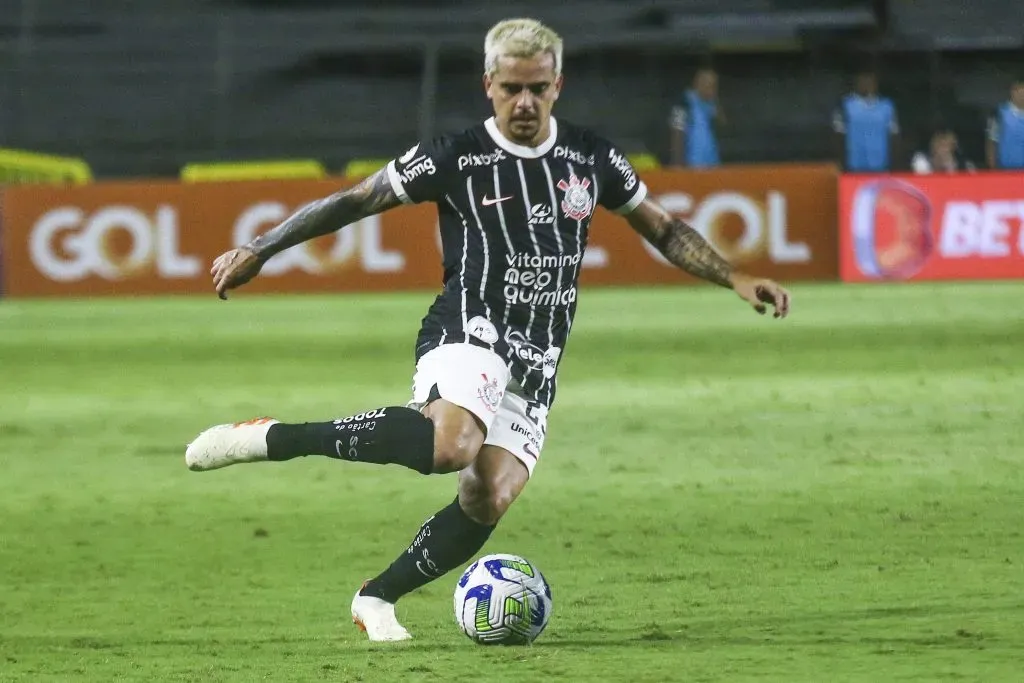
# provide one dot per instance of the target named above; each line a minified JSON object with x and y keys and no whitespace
{"x":138,"y":90}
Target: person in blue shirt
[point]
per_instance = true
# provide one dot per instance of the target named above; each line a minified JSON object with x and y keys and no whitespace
{"x":866,"y":127}
{"x":1005,"y":147}
{"x":694,"y":120}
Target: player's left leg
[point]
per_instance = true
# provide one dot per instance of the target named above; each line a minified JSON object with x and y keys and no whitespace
{"x":456,"y":533}
{"x":446,"y":541}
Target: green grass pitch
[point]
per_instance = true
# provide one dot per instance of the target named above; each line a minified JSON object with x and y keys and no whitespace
{"x":722,"y":497}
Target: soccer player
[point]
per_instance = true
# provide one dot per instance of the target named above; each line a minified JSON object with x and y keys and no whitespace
{"x":515,"y":196}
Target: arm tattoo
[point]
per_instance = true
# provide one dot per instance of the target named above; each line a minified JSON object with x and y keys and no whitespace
{"x":372,"y":196}
{"x":686,"y":249}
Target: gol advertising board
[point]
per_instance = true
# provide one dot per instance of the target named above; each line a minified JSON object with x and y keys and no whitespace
{"x":948,"y":227}
{"x":132,"y":238}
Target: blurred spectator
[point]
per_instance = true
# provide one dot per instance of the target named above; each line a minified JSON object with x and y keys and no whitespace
{"x":693,"y":122}
{"x":1005,"y":147}
{"x":943,"y":155}
{"x":866,"y":127}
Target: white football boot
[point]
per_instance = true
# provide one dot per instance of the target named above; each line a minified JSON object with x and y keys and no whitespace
{"x":229,"y":444}
{"x":376,"y":618}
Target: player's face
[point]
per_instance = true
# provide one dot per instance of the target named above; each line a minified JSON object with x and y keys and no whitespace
{"x":523,"y":91}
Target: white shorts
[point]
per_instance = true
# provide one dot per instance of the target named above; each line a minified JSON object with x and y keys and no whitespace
{"x":478,"y":380}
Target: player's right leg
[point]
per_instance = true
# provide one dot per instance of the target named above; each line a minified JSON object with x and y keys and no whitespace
{"x":437,"y":441}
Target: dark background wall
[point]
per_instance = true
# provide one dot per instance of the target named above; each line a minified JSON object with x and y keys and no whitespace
{"x":141,"y":88}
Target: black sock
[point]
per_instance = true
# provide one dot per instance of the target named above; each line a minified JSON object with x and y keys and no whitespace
{"x":395,"y":435}
{"x":444,"y":542}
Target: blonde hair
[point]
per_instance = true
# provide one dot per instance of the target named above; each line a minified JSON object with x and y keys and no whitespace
{"x":520,"y":38}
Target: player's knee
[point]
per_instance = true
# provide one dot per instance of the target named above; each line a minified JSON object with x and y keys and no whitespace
{"x":457,"y":439}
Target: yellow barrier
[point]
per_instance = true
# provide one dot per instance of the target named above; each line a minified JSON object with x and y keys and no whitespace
{"x":362,"y":168}
{"x":19,"y":167}
{"x":644,"y":162}
{"x":297,"y":169}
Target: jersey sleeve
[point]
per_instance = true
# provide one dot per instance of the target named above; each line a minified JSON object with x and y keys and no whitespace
{"x":418,"y":175}
{"x":622,"y":189}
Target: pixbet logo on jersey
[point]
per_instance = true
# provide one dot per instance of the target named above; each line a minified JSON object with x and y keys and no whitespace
{"x":114,"y":243}
{"x":575,"y":156}
{"x":477,"y":160}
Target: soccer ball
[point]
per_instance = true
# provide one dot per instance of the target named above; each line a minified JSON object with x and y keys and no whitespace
{"x":502,"y":600}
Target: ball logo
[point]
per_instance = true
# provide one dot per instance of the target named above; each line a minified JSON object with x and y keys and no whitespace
{"x":892,"y":237}
{"x":114,"y":243}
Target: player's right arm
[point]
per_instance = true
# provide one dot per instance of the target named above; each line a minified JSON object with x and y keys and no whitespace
{"x":416,"y":176}
{"x":371,"y":196}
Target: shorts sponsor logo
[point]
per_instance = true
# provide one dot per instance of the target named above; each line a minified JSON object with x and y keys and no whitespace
{"x":575,"y":156}
{"x":577,"y":203}
{"x":625,"y":169}
{"x":481,"y":328}
{"x":480,"y":160}
{"x":528,"y":433}
{"x":490,"y":393}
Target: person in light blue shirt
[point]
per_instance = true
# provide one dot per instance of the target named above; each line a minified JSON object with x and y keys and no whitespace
{"x":693,"y":124}
{"x":1006,"y":131}
{"x":867,"y":128}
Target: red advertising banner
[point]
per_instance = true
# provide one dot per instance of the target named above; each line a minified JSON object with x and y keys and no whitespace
{"x":160,"y":238}
{"x":942,"y":227}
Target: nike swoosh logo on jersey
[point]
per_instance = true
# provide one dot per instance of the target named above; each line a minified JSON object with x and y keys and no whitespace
{"x":487,"y":201}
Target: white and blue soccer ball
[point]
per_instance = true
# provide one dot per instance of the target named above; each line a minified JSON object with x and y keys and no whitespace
{"x":502,"y":600}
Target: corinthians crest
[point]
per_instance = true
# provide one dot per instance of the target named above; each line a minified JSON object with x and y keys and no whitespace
{"x":577,"y":202}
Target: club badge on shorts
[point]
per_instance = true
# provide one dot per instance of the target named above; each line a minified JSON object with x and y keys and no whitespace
{"x":490,"y":393}
{"x":577,"y":202}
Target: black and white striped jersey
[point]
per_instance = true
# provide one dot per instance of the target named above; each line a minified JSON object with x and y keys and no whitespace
{"x":514,"y":223}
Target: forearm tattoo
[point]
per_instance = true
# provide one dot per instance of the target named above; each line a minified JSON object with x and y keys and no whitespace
{"x":322,"y":217}
{"x":686,"y":249}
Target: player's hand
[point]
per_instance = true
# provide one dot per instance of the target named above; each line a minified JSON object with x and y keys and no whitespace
{"x":760,"y":293}
{"x":233,"y":269}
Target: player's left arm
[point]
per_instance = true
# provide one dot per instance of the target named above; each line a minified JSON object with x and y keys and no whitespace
{"x":686,"y":249}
